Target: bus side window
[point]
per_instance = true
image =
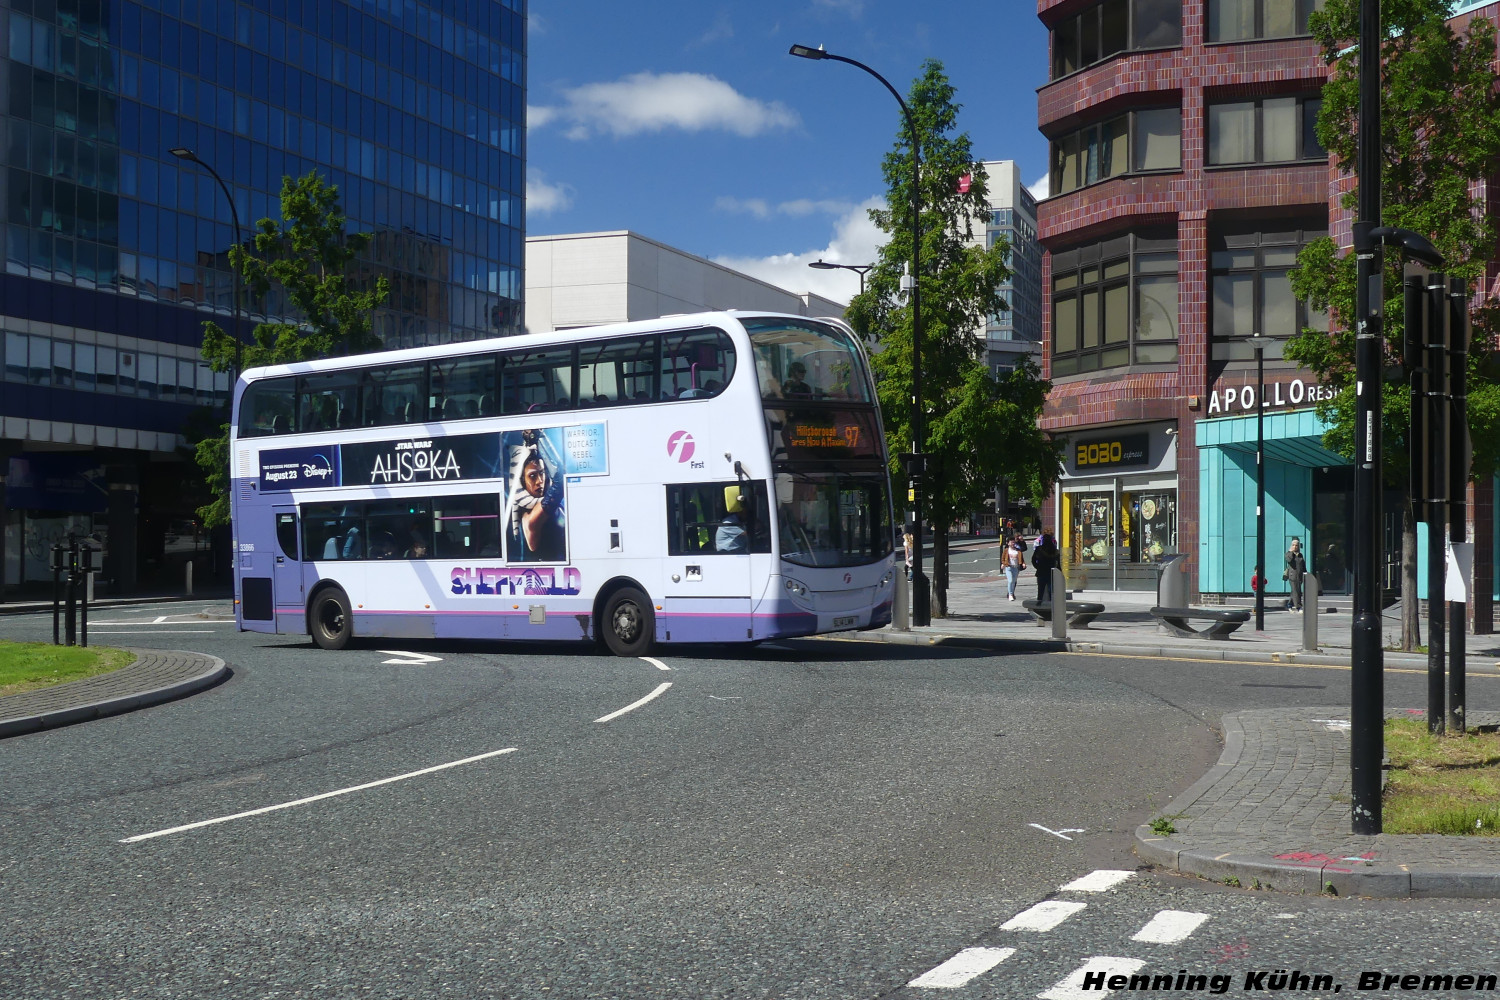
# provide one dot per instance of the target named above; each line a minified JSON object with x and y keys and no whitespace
{"x":267,"y":407}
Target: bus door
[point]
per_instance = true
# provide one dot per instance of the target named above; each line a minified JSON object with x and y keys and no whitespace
{"x":712,"y":534}
{"x":287,"y":573}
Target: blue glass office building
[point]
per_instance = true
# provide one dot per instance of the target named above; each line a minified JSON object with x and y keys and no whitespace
{"x":116,"y":251}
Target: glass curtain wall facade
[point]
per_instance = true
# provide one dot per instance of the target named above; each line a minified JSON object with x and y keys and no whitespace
{"x":115,"y":251}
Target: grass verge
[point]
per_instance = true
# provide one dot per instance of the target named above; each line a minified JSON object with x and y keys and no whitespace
{"x":26,"y":666}
{"x":1441,"y":784}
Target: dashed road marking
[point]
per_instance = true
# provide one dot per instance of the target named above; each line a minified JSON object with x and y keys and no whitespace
{"x":635,"y":704}
{"x":656,"y":663}
{"x":1098,"y":881}
{"x":1170,"y":927}
{"x":961,"y":968}
{"x":1043,"y":916}
{"x":1105,"y":965}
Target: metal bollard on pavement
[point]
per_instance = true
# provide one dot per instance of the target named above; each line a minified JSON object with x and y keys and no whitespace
{"x":1059,"y":604}
{"x":1311,"y":590}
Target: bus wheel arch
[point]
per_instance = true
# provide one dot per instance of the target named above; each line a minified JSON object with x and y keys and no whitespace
{"x":330,"y":616}
{"x":625,"y":618}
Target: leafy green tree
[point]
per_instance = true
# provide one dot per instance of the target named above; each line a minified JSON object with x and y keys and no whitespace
{"x":979,"y":428}
{"x":1440,"y":135}
{"x":309,"y":259}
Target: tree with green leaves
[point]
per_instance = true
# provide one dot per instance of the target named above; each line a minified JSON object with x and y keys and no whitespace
{"x":311,"y":261}
{"x":1440,"y":136}
{"x":980,"y":429}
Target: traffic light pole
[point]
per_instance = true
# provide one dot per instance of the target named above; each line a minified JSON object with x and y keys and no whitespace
{"x":1458,"y":489}
{"x":1367,"y":688}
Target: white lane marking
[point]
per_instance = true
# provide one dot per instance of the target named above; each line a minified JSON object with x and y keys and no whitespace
{"x":961,"y":968}
{"x":1063,"y":833}
{"x":411,"y":659}
{"x":160,"y":619}
{"x":637,"y":704}
{"x":1043,"y":916}
{"x":1170,"y":927}
{"x":152,"y":631}
{"x":315,"y":798}
{"x":1106,"y":965}
{"x":1098,"y":881}
{"x":656,"y":663}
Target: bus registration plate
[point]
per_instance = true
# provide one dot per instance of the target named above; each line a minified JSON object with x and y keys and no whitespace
{"x":845,"y":622}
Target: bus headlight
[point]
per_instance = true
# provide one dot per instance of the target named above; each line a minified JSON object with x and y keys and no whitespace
{"x":797,"y":589}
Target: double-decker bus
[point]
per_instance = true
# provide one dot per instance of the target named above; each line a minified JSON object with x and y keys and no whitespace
{"x":708,"y":478}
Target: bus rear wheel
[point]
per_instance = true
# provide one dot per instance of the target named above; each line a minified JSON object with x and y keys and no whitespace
{"x":331,"y":619}
{"x":629,"y":624}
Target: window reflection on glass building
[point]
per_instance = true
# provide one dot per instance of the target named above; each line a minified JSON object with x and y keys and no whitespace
{"x":115,"y":251}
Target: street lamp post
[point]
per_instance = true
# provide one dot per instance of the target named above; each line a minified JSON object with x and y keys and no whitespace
{"x":860,"y":269}
{"x":183,"y":153}
{"x":1260,"y":342}
{"x":921,"y":598}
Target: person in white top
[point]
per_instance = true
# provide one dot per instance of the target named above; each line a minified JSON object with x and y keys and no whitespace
{"x":1014,"y":561}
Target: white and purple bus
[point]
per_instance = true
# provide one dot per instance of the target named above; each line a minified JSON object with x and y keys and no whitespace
{"x":710,"y":478}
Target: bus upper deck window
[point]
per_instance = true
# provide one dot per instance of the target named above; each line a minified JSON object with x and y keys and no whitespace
{"x":266,"y":408}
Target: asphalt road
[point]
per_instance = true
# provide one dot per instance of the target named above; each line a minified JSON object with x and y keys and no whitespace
{"x":818,"y":819}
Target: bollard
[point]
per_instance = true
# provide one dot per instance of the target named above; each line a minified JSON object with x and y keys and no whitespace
{"x":1311,"y":590}
{"x":1059,"y":604}
{"x":901,"y":609}
{"x":85,"y":592}
{"x":70,"y":589}
{"x":57,"y":564}
{"x":187,"y":585}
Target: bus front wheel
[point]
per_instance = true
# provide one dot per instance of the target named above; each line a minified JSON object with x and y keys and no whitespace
{"x":332,"y":620}
{"x":629,"y":624}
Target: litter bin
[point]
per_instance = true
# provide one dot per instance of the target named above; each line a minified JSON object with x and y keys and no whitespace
{"x":1172,"y":581}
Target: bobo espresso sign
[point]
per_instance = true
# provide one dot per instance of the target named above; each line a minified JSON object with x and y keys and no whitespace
{"x":1108,"y":453}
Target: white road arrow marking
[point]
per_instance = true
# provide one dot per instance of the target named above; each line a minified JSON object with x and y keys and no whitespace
{"x":1063,"y":833}
{"x":411,"y":659}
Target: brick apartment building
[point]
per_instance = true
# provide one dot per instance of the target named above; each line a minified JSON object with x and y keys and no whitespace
{"x":1185,"y":177}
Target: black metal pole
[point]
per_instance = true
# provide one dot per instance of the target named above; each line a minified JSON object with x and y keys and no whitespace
{"x":70,"y":588}
{"x":1367,"y":692}
{"x":1260,"y":488}
{"x":57,"y":563}
{"x":87,"y":553}
{"x":1458,"y":489}
{"x":1438,"y":403}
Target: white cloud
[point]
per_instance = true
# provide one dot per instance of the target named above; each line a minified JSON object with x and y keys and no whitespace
{"x":721,"y":30}
{"x":1041,"y":188}
{"x":855,"y":240}
{"x":797,"y":208}
{"x":542,"y":197}
{"x":655,"y":102}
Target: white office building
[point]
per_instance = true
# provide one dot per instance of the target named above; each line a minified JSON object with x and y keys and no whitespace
{"x":588,"y":279}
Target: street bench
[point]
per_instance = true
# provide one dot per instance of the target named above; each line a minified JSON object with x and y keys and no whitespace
{"x":1221,"y":623}
{"x":1080,"y":613}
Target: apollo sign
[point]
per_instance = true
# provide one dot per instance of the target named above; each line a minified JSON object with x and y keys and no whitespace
{"x":1240,"y":399}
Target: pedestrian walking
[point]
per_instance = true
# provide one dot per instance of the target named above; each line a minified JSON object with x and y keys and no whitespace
{"x":1014,"y":562}
{"x":1045,"y":559}
{"x":1296,"y":566}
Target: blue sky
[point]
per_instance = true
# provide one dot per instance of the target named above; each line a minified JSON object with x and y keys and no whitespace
{"x":690,"y":124}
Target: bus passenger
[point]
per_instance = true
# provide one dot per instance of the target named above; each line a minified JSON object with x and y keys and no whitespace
{"x":731,"y":535}
{"x":796,"y":384}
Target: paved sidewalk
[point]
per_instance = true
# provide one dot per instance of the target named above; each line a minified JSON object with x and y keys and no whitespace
{"x":1274,"y":811}
{"x":155,"y":676}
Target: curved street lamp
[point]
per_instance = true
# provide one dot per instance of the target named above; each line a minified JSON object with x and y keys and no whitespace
{"x":183,"y":153}
{"x":860,"y":269}
{"x":921,"y":597}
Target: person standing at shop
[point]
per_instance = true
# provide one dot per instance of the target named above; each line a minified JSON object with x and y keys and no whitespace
{"x":1044,"y":559}
{"x":1296,"y":566}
